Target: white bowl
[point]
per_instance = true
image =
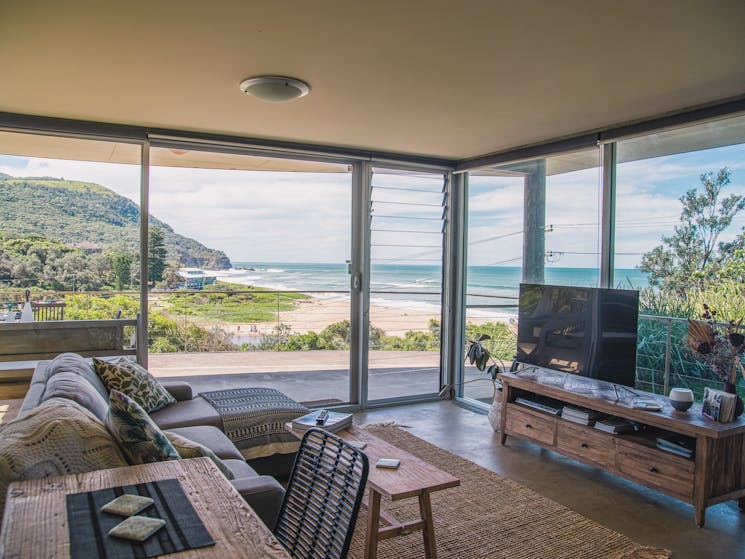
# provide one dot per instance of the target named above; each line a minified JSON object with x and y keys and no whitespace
{"x":681,"y":398}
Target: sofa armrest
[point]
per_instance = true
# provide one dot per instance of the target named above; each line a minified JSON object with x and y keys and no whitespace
{"x":264,"y":495}
{"x":179,"y":389}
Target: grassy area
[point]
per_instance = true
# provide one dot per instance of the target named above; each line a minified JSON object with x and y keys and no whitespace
{"x":235,"y":303}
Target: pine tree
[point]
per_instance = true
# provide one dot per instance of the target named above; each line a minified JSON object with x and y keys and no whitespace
{"x":156,"y":255}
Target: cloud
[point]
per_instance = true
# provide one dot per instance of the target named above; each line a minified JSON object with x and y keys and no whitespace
{"x":269,"y":216}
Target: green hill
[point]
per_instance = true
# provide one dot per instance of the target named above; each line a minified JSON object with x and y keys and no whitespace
{"x":74,"y":212}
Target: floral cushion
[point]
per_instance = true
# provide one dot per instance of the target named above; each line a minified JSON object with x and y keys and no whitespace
{"x":190,"y":449}
{"x":139,"y":437}
{"x":135,"y":381}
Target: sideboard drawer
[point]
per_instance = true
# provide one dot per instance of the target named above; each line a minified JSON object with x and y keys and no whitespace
{"x":530,"y":424}
{"x":657,"y":468}
{"x":586,"y":443}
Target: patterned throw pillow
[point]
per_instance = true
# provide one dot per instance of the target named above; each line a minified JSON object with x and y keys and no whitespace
{"x":139,"y":437}
{"x":190,"y":449}
{"x":135,"y":381}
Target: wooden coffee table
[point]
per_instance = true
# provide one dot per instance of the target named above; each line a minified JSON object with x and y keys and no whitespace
{"x":35,"y":522}
{"x":413,"y":478}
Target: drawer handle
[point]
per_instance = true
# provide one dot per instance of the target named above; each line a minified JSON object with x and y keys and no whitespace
{"x":528,"y":425}
{"x":654,"y":470}
{"x":584,"y":445}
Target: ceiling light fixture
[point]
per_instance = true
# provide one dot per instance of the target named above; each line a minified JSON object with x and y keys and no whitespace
{"x":275,"y":89}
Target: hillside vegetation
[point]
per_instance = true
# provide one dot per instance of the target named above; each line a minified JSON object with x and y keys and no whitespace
{"x":67,"y":212}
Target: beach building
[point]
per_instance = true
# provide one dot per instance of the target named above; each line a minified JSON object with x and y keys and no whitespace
{"x":454,"y":140}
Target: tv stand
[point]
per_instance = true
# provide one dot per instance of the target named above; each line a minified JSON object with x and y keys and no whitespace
{"x":715,"y":473}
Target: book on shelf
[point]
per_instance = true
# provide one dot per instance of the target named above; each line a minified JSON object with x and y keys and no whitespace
{"x":677,"y":444}
{"x":544,"y":406}
{"x":615,"y":425}
{"x":335,"y":421}
{"x":719,"y":405}
{"x":580,"y":415}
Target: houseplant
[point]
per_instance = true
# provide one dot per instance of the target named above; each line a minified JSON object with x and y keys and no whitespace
{"x":721,"y":347}
{"x":484,"y":360}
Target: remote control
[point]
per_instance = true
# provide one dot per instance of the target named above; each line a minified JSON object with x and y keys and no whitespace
{"x":322,"y":417}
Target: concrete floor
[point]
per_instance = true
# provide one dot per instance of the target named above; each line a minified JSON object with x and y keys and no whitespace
{"x":643,"y":515}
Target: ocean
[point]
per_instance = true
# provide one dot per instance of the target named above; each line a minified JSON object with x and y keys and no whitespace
{"x":414,"y":287}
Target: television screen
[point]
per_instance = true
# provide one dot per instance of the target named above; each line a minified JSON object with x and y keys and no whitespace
{"x":581,"y":330}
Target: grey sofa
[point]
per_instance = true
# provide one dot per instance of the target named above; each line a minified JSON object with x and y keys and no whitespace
{"x":72,"y":377}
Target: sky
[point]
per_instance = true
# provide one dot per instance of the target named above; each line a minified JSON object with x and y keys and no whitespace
{"x":258,"y":216}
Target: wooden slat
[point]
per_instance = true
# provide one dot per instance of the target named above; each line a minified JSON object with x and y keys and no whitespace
{"x":12,"y":390}
{"x":27,"y":341}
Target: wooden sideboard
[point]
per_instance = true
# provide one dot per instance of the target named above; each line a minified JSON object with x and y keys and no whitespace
{"x":715,"y":473}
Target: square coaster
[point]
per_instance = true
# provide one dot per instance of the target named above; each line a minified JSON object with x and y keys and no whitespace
{"x":137,"y":528}
{"x":127,"y":505}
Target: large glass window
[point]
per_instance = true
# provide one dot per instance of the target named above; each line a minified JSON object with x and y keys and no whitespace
{"x":536,"y":222}
{"x":679,"y":238}
{"x":70,"y":234}
{"x":252,"y":287}
{"x":69,"y":244}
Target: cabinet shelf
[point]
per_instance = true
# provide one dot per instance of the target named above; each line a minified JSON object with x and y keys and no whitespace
{"x":714,"y":473}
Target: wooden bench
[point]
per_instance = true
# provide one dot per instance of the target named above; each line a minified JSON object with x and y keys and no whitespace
{"x":23,"y":344}
{"x":48,"y":311}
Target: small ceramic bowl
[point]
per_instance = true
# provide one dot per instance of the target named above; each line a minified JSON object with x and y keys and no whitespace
{"x":681,"y":398}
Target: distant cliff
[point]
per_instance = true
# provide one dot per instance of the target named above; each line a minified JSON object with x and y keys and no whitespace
{"x":85,"y":214}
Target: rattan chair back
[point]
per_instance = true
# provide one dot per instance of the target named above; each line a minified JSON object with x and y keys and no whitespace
{"x":323,"y":497}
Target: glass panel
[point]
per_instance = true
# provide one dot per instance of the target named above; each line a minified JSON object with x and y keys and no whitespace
{"x":538,"y":222}
{"x":255,"y":291}
{"x":677,"y":238}
{"x":70,"y":236}
{"x":405,"y":284}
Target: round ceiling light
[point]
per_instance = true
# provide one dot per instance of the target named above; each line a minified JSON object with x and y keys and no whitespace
{"x":275,"y":89}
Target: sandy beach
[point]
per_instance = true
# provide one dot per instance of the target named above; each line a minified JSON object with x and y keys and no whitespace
{"x":315,"y":314}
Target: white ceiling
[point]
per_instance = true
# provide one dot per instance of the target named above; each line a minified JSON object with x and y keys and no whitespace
{"x":440,"y":78}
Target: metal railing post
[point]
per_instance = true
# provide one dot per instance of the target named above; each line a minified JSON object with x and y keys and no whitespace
{"x":668,"y":351}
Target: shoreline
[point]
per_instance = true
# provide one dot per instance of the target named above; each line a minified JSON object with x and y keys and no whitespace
{"x":315,"y":314}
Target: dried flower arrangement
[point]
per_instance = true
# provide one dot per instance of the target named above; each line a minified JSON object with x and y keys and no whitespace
{"x":720,"y":347}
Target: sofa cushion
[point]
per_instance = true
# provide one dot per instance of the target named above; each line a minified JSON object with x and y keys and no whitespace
{"x":211,"y":437}
{"x":71,"y":386}
{"x":58,"y":437}
{"x":135,"y":381}
{"x":239,"y":469}
{"x":139,"y":437}
{"x":184,"y":414}
{"x":63,"y":363}
{"x":187,"y":448}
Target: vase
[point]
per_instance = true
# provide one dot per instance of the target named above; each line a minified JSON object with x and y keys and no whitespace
{"x":495,"y":411}
{"x":730,"y":388}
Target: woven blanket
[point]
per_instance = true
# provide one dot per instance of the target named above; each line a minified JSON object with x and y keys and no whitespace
{"x":255,"y":416}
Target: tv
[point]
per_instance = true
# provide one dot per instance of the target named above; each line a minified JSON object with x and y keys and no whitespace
{"x":580,"y":330}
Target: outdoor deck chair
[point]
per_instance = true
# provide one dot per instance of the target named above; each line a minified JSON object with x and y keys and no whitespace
{"x":323,"y":497}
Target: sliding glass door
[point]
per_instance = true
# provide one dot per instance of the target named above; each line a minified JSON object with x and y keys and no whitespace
{"x":252,"y":287}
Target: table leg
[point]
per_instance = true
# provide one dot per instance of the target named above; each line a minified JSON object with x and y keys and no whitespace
{"x":428,"y":530}
{"x":373,"y":525}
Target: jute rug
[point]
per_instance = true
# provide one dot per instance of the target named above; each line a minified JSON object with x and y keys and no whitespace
{"x":491,"y":517}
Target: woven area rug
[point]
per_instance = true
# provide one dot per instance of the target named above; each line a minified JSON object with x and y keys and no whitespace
{"x":491,"y":517}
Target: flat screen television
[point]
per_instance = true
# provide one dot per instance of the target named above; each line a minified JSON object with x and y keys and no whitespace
{"x":581,"y":330}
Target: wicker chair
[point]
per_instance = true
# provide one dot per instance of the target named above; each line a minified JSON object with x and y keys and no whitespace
{"x":323,"y":497}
